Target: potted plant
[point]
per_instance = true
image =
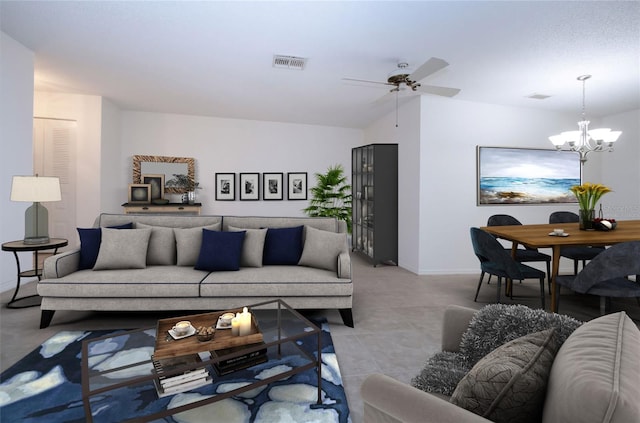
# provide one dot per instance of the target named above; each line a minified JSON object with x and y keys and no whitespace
{"x":187,"y":185}
{"x":331,"y":197}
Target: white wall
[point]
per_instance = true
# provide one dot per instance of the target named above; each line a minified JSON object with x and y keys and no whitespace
{"x":16,"y":134}
{"x":621,"y":167}
{"x":234,"y":145}
{"x":110,"y":152}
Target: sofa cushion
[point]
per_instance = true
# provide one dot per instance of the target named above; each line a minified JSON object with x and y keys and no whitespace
{"x":90,"y":244}
{"x":508,"y":385}
{"x":253,"y":246}
{"x":595,"y":376}
{"x":321,"y":248}
{"x":220,"y":250}
{"x":123,"y":249}
{"x":162,"y":245}
{"x":283,"y":246}
{"x":188,"y":242}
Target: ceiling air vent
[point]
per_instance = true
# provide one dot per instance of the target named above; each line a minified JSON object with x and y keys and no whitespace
{"x":289,"y":62}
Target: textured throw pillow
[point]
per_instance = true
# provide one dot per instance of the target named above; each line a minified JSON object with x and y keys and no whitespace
{"x":90,"y":244}
{"x":509,"y":384}
{"x":496,"y":324}
{"x":253,"y":246}
{"x":123,"y":249}
{"x":188,"y":242}
{"x":220,"y":250}
{"x":321,"y":248}
{"x":283,"y":246}
{"x":162,"y":245}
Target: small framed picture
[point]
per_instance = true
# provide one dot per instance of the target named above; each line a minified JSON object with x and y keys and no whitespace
{"x":297,"y":183}
{"x":157,"y":185}
{"x":249,"y":186}
{"x":139,"y":193}
{"x":272,"y":186}
{"x":225,"y":186}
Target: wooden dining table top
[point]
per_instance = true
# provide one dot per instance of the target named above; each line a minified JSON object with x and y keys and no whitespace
{"x":537,"y":236}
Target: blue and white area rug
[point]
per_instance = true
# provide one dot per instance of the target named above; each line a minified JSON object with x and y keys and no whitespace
{"x":45,"y":386}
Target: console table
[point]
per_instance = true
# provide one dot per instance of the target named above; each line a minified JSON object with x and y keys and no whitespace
{"x":20,"y":246}
{"x":170,"y":208}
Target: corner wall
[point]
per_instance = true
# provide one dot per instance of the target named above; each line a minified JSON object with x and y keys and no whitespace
{"x":16,"y":135}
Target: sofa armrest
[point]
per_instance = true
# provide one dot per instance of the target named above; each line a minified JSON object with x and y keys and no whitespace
{"x":388,"y":400}
{"x":61,"y":265}
{"x":454,"y":324}
{"x":344,"y":266}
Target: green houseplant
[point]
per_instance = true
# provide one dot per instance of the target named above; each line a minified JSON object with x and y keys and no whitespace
{"x":186,"y":184}
{"x":331,"y":197}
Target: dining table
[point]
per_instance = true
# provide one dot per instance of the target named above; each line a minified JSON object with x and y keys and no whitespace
{"x":542,"y":236}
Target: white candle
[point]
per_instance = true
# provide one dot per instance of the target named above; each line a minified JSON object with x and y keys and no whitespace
{"x":245,"y":322}
{"x":235,"y":326}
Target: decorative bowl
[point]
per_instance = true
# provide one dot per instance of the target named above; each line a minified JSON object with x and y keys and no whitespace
{"x":205,"y":333}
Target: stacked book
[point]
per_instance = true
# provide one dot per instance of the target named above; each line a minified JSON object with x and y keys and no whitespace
{"x":170,"y":381}
{"x":242,"y":361}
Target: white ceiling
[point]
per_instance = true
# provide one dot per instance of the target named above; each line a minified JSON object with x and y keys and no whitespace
{"x":215,"y":58}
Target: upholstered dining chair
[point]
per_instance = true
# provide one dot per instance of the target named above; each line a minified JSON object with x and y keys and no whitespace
{"x":576,"y":253}
{"x":495,"y":260}
{"x":526,"y":254}
{"x":607,"y":275}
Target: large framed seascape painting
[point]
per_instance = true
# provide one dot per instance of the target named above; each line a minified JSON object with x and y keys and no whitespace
{"x":526,"y":175}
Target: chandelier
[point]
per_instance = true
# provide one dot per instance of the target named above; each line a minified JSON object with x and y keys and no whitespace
{"x":584,"y":141}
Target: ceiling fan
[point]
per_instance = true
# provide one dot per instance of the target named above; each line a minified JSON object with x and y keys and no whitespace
{"x":400,"y":78}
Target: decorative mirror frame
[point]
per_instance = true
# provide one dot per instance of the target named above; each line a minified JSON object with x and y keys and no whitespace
{"x":138,"y":159}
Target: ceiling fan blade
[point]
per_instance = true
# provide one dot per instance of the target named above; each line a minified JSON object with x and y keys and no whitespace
{"x":432,"y":65}
{"x":443,"y":91}
{"x":365,"y":81}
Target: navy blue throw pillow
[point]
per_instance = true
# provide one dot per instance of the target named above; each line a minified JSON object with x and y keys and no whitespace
{"x":283,"y":246}
{"x":220,"y":250}
{"x":90,"y":239}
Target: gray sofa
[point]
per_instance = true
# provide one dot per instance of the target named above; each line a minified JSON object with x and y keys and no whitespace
{"x":167,"y":279}
{"x":594,"y":377}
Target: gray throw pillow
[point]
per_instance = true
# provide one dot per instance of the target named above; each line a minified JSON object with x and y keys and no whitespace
{"x":121,"y":249}
{"x":162,"y":245}
{"x":188,"y":243}
{"x":321,"y":248}
{"x":253,"y":246}
{"x":509,"y":384}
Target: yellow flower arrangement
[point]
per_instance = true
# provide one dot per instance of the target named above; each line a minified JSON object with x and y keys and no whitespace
{"x":588,"y":194}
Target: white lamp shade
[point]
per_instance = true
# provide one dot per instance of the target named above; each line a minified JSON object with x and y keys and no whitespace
{"x":556,"y":140}
{"x":599,"y":134}
{"x":35,"y":188}
{"x":571,"y":136}
{"x":612,"y":136}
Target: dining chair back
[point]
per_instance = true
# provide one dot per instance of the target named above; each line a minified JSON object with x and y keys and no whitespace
{"x":576,"y":253}
{"x":495,"y":260}
{"x":607,"y":275}
{"x":526,"y":254}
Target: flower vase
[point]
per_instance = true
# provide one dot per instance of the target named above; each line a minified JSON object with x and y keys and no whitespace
{"x":586,"y":219}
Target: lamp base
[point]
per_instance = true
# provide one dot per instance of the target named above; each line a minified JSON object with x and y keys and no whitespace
{"x":36,"y":240}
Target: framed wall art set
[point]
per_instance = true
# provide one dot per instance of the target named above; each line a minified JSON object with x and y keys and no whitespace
{"x":254,"y":187}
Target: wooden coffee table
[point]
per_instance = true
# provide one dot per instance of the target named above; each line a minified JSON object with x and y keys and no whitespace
{"x":276,"y":324}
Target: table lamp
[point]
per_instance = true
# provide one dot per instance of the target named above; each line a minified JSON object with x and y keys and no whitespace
{"x":36,"y":189}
